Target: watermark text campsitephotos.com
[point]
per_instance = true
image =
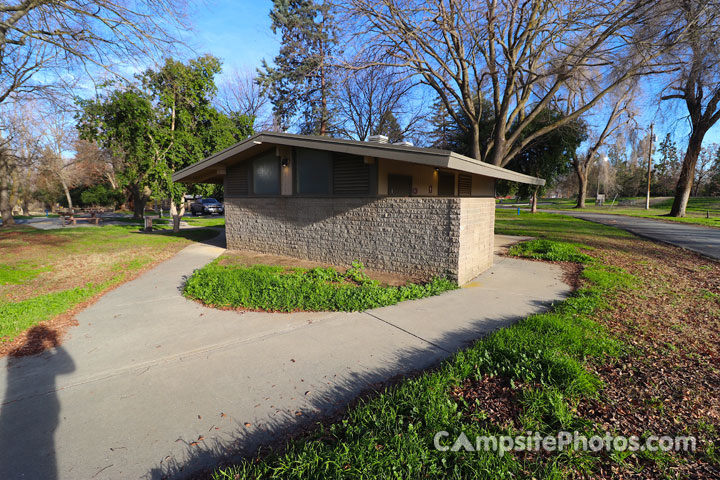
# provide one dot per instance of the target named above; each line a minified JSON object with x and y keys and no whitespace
{"x":535,"y":441}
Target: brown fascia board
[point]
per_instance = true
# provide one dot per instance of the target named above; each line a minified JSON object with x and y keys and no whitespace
{"x":423,"y":156}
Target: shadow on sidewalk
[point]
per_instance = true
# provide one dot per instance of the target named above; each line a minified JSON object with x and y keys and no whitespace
{"x":271,"y":434}
{"x":28,"y":420}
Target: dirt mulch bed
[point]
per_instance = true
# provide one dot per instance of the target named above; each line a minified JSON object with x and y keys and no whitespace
{"x":491,"y":401}
{"x":668,"y":381}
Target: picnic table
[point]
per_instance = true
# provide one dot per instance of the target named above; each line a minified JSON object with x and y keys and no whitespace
{"x":71,"y":216}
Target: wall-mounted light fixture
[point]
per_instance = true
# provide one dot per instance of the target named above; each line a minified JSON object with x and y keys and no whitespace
{"x":284,"y":162}
{"x":437,"y":169}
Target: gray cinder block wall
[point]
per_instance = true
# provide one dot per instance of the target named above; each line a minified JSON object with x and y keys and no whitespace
{"x":418,"y":236}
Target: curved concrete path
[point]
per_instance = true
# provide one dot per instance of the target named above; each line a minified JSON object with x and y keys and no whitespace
{"x":151,"y":385}
{"x":698,"y":238}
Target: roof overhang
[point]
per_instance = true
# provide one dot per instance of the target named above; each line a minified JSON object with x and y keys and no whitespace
{"x":212,"y":169}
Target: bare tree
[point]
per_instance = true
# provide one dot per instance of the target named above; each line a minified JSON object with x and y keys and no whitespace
{"x":96,"y":162}
{"x":59,"y":136}
{"x":696,"y":83}
{"x":368,"y":100}
{"x":704,"y":167}
{"x":20,"y":150}
{"x":523,"y":52}
{"x":59,"y":37}
{"x":242,"y":94}
{"x":618,"y":114}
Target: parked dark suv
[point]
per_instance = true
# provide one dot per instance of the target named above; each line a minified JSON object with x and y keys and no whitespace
{"x":207,"y":206}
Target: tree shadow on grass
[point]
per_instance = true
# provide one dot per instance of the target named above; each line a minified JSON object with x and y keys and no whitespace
{"x":213,"y":236}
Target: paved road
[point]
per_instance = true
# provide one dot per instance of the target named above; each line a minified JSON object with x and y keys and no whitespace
{"x":152,"y":385}
{"x":704,"y":240}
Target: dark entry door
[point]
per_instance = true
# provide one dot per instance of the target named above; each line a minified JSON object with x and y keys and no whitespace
{"x":399,"y":185}
{"x":446,"y":184}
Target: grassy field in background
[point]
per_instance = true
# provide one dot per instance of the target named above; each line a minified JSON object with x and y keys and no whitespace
{"x":44,"y":273}
{"x":698,"y":210}
{"x":619,"y":355}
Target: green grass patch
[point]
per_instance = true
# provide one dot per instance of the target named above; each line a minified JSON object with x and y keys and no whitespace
{"x":19,"y":316}
{"x":263,"y":287}
{"x":28,"y":217}
{"x":700,"y":210}
{"x":544,"y":249}
{"x":551,"y":225}
{"x":19,"y":273}
{"x":205,"y":222}
{"x":123,"y":247}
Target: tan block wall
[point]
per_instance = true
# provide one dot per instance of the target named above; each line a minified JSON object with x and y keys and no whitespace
{"x":420,"y":237}
{"x":477,"y":237}
{"x":423,"y":177}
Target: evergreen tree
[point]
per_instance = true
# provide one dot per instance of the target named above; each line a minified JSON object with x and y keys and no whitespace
{"x":299,"y":83}
{"x":548,"y":156}
{"x":447,"y":134}
{"x":667,"y":169}
{"x":389,"y":126}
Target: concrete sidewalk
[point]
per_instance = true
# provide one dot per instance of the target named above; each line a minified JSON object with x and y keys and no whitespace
{"x":151,"y":384}
{"x":700,"y":239}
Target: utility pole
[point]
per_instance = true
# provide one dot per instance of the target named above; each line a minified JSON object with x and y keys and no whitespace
{"x":650,"y":149}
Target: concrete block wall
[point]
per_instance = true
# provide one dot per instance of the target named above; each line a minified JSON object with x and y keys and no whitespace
{"x":416,"y":236}
{"x":477,"y":237}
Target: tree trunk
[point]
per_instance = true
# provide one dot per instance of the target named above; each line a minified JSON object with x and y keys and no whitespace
{"x":477,"y":155}
{"x":498,"y":151}
{"x":139,"y":200}
{"x":323,"y":102}
{"x":533,"y":201}
{"x":582,"y":175}
{"x":5,"y":207}
{"x":687,"y":174}
{"x":67,"y":192}
{"x":176,"y":215}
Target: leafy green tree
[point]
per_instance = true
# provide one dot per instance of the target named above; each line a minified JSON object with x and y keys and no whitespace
{"x":299,"y":83}
{"x":188,"y":126}
{"x":101,"y":195}
{"x":123,"y":122}
{"x":548,"y":156}
{"x":162,"y":125}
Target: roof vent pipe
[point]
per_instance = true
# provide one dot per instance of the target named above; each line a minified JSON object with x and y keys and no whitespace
{"x":378,"y":139}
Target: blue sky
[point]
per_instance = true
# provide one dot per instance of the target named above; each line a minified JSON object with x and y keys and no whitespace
{"x":238,"y":32}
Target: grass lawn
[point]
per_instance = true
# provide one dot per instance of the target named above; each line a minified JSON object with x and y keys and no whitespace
{"x":205,"y":221}
{"x":45,"y":273}
{"x":166,"y":221}
{"x":277,"y":288}
{"x":697,"y":210}
{"x":635,"y":351}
